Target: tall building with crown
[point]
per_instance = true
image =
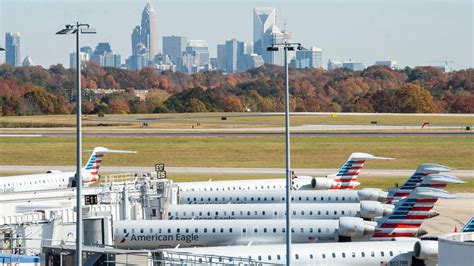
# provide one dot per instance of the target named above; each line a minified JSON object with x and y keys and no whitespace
{"x":264,"y":19}
{"x":145,"y":38}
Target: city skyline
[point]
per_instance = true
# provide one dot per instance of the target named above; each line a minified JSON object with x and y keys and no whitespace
{"x":425,"y":40}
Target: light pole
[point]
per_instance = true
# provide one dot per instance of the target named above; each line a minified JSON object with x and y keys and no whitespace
{"x":287,"y":46}
{"x":78,"y":29}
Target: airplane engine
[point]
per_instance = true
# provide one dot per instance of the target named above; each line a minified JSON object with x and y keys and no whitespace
{"x":372,"y":209}
{"x":355,"y":227}
{"x":426,"y":250}
{"x":323,"y":183}
{"x":372,"y":194}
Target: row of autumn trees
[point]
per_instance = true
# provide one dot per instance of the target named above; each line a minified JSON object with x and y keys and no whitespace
{"x":35,"y":90}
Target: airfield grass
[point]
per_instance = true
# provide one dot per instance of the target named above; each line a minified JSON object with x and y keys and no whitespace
{"x":245,"y":152}
{"x":213,"y":120}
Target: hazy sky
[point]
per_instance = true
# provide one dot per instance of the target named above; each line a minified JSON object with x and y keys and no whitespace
{"x":413,"y":32}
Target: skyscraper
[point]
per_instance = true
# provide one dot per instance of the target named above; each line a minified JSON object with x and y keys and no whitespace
{"x":305,"y":58}
{"x":264,"y":18}
{"x":221,"y":57}
{"x":136,"y":39}
{"x":174,"y":46}
{"x":12,"y":43}
{"x":149,"y":32}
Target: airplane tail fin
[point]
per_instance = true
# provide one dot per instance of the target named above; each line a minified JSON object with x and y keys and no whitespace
{"x":91,"y":170}
{"x":349,"y":172}
{"x":469,"y":227}
{"x":409,"y":213}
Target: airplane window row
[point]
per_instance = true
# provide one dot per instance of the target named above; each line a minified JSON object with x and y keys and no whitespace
{"x":244,"y":230}
{"x":231,"y":188}
{"x":36,"y":182}
{"x":312,"y":256}
{"x":263,"y":213}
{"x":271,"y":199}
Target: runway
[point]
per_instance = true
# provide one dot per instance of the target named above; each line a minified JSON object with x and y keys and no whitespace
{"x":387,"y":173}
{"x":242,"y":134}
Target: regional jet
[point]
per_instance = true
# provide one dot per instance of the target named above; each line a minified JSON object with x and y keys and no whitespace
{"x":345,"y":178}
{"x":54,"y":179}
{"x":409,"y":251}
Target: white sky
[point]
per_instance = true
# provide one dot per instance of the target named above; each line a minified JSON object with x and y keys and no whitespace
{"x":413,"y":32}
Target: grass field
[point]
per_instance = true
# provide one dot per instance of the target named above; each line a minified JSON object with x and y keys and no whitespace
{"x":213,"y":120}
{"x":307,"y":152}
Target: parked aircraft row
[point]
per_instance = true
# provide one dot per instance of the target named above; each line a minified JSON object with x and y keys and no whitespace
{"x":405,"y":221}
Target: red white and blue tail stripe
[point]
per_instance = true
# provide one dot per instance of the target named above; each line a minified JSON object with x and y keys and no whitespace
{"x":90,"y":173}
{"x":417,"y":180}
{"x":409,"y":213}
{"x":347,"y":175}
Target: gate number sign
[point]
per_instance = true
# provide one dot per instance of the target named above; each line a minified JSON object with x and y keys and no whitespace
{"x":90,"y":199}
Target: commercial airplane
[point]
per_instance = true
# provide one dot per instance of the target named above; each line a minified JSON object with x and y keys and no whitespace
{"x":345,"y":178}
{"x":278,"y":196}
{"x":56,"y":179}
{"x":409,"y":251}
{"x":415,"y":180}
{"x":404,"y":222}
{"x":363,"y":209}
